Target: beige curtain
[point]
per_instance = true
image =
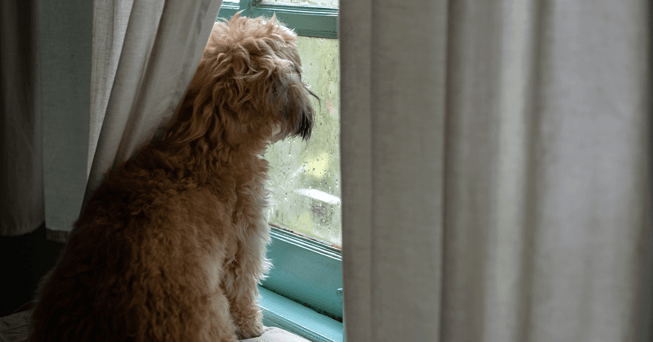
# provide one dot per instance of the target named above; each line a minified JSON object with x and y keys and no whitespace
{"x":496,"y":168}
{"x":45,"y":49}
{"x":144,"y":56}
{"x":106,"y":75}
{"x":21,"y":206}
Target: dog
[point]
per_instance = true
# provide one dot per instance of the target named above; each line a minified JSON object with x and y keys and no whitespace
{"x":171,"y":246}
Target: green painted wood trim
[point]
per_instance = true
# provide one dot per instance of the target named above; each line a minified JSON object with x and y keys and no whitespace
{"x":307,"y":20}
{"x":306,"y":242}
{"x":245,"y":4}
{"x":228,"y":9}
{"x":307,"y":271}
{"x":285,"y":314}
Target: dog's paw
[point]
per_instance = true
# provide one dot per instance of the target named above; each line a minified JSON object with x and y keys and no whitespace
{"x":250,"y":330}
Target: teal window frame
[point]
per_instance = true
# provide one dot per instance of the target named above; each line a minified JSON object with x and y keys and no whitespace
{"x":303,"y":292}
{"x":307,"y":20}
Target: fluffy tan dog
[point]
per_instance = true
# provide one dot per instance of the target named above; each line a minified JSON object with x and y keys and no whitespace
{"x":171,"y":247}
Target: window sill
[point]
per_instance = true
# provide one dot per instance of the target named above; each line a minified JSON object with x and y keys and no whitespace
{"x":283,"y":313}
{"x":306,"y":271}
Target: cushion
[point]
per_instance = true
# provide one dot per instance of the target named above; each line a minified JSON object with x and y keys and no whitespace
{"x":273,"y":334}
{"x":14,"y":328}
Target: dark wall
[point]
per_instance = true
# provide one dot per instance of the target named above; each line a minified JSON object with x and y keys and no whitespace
{"x":23,"y":261}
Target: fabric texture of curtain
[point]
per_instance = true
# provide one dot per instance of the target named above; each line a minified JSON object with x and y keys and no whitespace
{"x":44,"y":108}
{"x":496,"y":169}
{"x":21,"y":202}
{"x":76,"y":117}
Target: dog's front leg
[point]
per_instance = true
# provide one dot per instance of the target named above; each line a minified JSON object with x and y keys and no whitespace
{"x":241,"y":286}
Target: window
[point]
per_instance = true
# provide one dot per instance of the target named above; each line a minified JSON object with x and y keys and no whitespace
{"x":305,"y":177}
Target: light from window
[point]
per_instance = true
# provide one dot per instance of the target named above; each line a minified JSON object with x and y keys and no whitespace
{"x":305,"y":177}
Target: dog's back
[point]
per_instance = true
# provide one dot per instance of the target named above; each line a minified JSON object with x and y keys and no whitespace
{"x":142,"y":264}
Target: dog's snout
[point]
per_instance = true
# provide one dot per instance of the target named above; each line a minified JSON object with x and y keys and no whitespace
{"x":306,"y":126}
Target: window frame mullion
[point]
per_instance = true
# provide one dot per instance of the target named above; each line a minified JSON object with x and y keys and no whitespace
{"x":306,"y":20}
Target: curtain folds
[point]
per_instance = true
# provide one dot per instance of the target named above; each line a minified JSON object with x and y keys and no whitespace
{"x":21,"y":203}
{"x":145,"y":56}
{"x":496,"y":168}
{"x":45,"y":52}
{"x":107,"y":75}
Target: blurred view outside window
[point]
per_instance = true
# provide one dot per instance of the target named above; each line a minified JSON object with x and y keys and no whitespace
{"x":305,"y":176}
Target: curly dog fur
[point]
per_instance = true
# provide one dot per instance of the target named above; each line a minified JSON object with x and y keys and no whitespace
{"x":171,"y":246}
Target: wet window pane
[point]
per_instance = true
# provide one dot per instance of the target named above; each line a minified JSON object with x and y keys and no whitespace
{"x":305,"y":176}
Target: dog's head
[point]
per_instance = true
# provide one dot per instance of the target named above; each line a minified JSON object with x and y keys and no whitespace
{"x":248,"y":86}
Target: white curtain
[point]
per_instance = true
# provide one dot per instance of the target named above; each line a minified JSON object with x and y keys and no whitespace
{"x":21,"y":202}
{"x":132,"y":72}
{"x":496,"y":168}
{"x":45,"y":49}
{"x":144,"y":56}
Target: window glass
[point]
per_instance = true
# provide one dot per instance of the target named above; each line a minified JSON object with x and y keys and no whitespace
{"x":305,"y":176}
{"x":321,"y":3}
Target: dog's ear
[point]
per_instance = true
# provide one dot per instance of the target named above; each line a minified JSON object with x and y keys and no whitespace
{"x":290,"y":99}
